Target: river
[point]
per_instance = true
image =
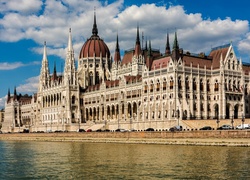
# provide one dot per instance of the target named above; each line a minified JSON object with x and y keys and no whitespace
{"x":76,"y":160}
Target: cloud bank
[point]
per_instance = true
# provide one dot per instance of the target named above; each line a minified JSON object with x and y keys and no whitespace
{"x":50,"y":20}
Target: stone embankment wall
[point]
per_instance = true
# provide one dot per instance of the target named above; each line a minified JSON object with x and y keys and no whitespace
{"x":218,"y":138}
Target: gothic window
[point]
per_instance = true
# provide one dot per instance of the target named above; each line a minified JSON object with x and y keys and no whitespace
{"x":145,"y":88}
{"x":194,"y":85}
{"x":97,"y":78}
{"x":233,"y":65}
{"x":152,"y":86}
{"x":73,"y":100}
{"x":201,"y":85}
{"x":208,"y":107}
{"x":90,"y":79}
{"x":164,"y":84}
{"x":171,"y":83}
{"x":179,"y":82}
{"x":216,"y":85}
{"x":234,"y":86}
{"x":208,"y":86}
{"x":186,"y":83}
{"x":158,"y":85}
{"x":228,"y":64}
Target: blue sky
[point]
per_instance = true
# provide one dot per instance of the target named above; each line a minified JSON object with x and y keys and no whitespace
{"x":26,"y":24}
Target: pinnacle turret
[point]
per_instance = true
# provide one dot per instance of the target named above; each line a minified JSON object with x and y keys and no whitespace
{"x":167,"y":46}
{"x":117,"y":56}
{"x":137,"y":44}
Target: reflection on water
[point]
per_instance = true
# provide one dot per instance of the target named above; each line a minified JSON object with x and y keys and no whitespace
{"x":63,"y":160}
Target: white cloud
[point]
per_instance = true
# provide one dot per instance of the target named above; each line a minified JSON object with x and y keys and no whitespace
{"x":20,"y":6}
{"x":15,"y":65}
{"x":30,"y":86}
{"x":2,"y":102}
{"x":52,"y":24}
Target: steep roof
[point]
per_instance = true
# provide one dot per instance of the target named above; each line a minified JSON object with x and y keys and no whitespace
{"x":216,"y":54}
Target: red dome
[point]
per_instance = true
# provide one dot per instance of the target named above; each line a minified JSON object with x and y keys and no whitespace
{"x":94,"y":46}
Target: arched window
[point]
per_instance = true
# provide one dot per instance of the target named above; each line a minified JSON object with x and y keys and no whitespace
{"x":171,"y":83}
{"x":216,"y":85}
{"x":208,"y":85}
{"x":201,"y":85}
{"x":164,"y":84}
{"x":179,"y":82}
{"x":152,"y":86}
{"x":187,"y":83}
{"x":145,"y":87}
{"x":194,"y":84}
{"x":73,"y":99}
{"x":90,"y":79}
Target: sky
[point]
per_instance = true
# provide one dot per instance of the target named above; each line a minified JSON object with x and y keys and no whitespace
{"x":26,"y":24}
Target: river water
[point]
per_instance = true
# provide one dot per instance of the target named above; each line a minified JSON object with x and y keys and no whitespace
{"x":75,"y":160}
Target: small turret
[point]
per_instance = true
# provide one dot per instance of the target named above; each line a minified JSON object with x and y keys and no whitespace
{"x":137,"y":43}
{"x":15,"y":94}
{"x":117,"y":56}
{"x":176,"y":50}
{"x":167,"y":46}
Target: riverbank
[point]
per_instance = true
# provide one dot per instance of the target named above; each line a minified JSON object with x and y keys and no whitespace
{"x":167,"y":138}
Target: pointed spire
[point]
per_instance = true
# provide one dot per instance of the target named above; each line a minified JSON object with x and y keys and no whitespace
{"x":149,"y":49}
{"x":137,"y":36}
{"x":176,"y":45}
{"x":15,"y":91}
{"x":44,"y":51}
{"x":137,"y":44}
{"x":54,"y":72}
{"x":117,"y":56}
{"x":9,"y":92}
{"x":94,"y":29}
{"x":54,"y":76}
{"x":176,"y":50}
{"x":167,"y":45}
{"x":15,"y":94}
{"x":8,"y":96}
{"x":70,"y":46}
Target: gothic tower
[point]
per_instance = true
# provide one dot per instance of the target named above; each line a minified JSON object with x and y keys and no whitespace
{"x":44,"y":74}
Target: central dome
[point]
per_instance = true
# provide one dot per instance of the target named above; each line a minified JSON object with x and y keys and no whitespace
{"x":94,"y":46}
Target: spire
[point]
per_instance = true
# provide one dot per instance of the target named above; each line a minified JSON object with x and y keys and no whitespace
{"x":44,"y":51}
{"x":15,"y":94}
{"x":69,"y":67}
{"x":175,"y":51}
{"x":176,"y":45}
{"x":137,"y":36}
{"x":94,"y":29}
{"x":8,"y":97}
{"x":44,"y":74}
{"x":70,"y":46}
{"x":9,"y":92}
{"x":137,"y":44}
{"x":117,"y":56}
{"x":54,"y":72}
{"x":167,"y":46}
{"x":54,"y":76}
{"x":149,"y":49}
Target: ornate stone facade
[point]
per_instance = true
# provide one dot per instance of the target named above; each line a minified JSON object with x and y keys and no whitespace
{"x":143,"y":89}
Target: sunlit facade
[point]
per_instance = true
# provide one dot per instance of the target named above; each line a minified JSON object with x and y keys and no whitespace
{"x":142,"y":89}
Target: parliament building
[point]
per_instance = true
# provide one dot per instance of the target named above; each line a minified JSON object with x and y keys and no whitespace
{"x":143,"y":89}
